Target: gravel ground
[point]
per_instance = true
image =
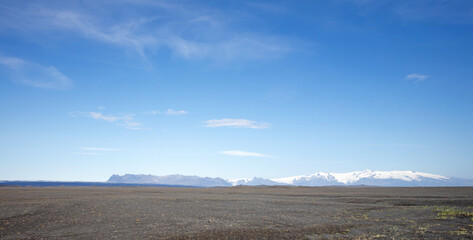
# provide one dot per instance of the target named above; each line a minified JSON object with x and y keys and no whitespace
{"x":235,"y":213}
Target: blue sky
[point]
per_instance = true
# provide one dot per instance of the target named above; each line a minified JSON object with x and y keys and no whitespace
{"x":234,"y":88}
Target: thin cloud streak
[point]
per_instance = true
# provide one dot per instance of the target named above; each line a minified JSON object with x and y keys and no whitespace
{"x":126,"y":121}
{"x":121,"y":35}
{"x":235,"y":123}
{"x":244,"y":154}
{"x":101,"y":149}
{"x":176,"y":112}
{"x":11,"y":62}
{"x":152,"y":112}
{"x":416,"y":78}
{"x":35,"y":75}
{"x":447,"y":12}
{"x":100,"y":116}
{"x":178,"y":27}
{"x":86,"y":153}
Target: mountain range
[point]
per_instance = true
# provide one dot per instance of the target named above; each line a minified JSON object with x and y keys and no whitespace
{"x":357,"y":178}
{"x":175,"y":179}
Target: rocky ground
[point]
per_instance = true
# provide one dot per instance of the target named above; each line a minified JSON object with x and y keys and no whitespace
{"x":235,"y":213}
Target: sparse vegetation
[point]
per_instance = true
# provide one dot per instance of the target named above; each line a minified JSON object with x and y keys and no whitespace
{"x":453,"y":212}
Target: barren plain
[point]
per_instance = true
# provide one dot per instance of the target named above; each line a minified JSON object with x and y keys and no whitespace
{"x":235,"y":213}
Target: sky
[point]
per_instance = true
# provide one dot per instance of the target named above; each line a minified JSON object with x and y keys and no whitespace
{"x":234,"y":89}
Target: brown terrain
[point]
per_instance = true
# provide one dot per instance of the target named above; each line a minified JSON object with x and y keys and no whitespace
{"x":235,"y":213}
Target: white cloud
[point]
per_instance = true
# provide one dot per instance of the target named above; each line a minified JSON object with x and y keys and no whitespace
{"x":100,"y":116}
{"x":100,"y":149}
{"x":175,"y":112}
{"x":416,"y":78}
{"x":126,"y":121}
{"x":235,"y":123}
{"x":35,"y":75}
{"x":243,"y":154}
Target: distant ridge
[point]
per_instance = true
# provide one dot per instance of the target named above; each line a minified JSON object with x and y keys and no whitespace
{"x":364,"y":178}
{"x":170,"y":180}
{"x":80,"y":184}
{"x":357,"y":178}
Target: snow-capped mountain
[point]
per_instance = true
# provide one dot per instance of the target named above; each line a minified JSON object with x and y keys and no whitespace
{"x":254,"y":182}
{"x":367,"y":178}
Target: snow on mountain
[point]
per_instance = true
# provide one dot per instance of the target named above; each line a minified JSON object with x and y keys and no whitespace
{"x":238,"y":181}
{"x":254,"y":182}
{"x":351,"y":177}
{"x":402,"y":175}
{"x":367,"y":177}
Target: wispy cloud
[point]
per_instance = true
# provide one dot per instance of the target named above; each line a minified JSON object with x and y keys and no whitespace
{"x":34,"y":74}
{"x":446,"y":12}
{"x":95,"y":150}
{"x":152,"y":112}
{"x":235,"y":123}
{"x":269,"y":7}
{"x":121,"y":35}
{"x":416,"y":77}
{"x":175,"y":112}
{"x":126,"y":120}
{"x":390,"y":145}
{"x":101,"y":149}
{"x":100,"y":116}
{"x":449,"y":12}
{"x":11,"y":62}
{"x":190,"y":31}
{"x":86,"y":153}
{"x":243,"y":154}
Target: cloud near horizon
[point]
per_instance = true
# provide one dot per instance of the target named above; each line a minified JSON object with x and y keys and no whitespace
{"x":235,"y":123}
{"x":244,"y":154}
{"x":34,"y":74}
